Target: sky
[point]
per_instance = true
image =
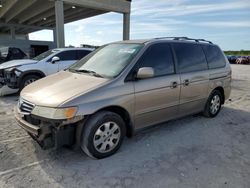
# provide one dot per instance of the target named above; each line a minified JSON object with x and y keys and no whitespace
{"x":224,"y":22}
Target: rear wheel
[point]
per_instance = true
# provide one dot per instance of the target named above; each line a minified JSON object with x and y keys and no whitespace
{"x":28,"y":80}
{"x":213,"y":105}
{"x":102,"y":134}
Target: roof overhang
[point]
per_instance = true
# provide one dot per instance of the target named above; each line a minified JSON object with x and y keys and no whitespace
{"x":27,"y":16}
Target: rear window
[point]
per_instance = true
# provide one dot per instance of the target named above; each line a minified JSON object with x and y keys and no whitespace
{"x":190,"y":57}
{"x":215,"y":58}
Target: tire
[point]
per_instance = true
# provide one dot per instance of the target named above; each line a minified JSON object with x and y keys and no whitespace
{"x":28,"y":80}
{"x":213,"y":108}
{"x":102,"y":134}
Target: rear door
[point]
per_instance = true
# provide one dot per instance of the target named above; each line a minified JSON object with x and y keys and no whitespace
{"x":219,"y":75}
{"x":157,"y":98}
{"x":194,"y":75}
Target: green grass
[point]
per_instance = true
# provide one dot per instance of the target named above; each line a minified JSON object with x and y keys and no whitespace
{"x":242,"y":52}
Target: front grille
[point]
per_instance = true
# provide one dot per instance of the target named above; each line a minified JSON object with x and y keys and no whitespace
{"x":25,"y":107}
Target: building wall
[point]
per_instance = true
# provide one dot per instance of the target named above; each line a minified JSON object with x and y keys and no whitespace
{"x":25,"y":45}
{"x":8,"y":36}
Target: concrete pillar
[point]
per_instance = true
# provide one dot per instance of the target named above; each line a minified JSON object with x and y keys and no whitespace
{"x":27,"y":37}
{"x":12,"y":33}
{"x":59,"y":12}
{"x":54,"y":36}
{"x":126,"y":26}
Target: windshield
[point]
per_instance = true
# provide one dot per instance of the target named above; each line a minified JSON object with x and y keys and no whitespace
{"x":44,"y":55}
{"x":108,"y":61}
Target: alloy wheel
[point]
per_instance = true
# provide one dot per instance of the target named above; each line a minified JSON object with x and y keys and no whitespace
{"x":29,"y":81}
{"x":215,"y":104}
{"x":107,"y":137}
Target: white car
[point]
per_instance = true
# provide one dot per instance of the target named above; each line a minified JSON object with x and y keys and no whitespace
{"x":16,"y":74}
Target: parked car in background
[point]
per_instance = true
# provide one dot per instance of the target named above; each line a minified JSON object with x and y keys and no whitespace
{"x":232,"y":58}
{"x":243,"y":60}
{"x":11,"y":53}
{"x":123,"y":87}
{"x":17,"y":74}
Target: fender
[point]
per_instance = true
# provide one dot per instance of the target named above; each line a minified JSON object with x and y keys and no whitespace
{"x":29,"y":72}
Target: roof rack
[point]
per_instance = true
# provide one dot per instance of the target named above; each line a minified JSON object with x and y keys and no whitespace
{"x":185,"y":38}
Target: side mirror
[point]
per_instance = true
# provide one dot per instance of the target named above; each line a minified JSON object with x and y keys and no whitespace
{"x":55,"y":59}
{"x":145,"y":72}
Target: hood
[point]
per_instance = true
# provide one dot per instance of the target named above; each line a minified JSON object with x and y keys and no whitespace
{"x":14,"y":63}
{"x":55,"y":89}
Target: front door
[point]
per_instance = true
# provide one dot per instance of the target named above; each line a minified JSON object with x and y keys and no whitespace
{"x":156,"y":98}
{"x":67,"y":58}
{"x":51,"y":67}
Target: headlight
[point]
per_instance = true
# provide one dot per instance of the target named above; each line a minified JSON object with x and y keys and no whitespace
{"x":54,"y":113}
{"x":11,"y":68}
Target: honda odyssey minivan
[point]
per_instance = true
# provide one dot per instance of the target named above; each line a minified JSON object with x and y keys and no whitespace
{"x":123,"y":87}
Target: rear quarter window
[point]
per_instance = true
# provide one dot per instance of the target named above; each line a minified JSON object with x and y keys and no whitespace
{"x":215,"y":57}
{"x":190,"y":57}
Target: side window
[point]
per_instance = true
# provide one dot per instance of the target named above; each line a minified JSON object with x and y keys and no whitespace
{"x":159,"y":57}
{"x":82,"y":53}
{"x":67,"y":55}
{"x":190,"y":57}
{"x":214,"y":56}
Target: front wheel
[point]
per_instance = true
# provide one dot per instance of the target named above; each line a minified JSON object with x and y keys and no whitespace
{"x":213,"y":105}
{"x":28,"y":80}
{"x":102,"y":134}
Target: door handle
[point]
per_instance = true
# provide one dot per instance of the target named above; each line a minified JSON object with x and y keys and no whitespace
{"x":174,"y":85}
{"x":186,"y":82}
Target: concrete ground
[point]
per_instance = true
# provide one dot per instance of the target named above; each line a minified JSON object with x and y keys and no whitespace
{"x":191,"y":152}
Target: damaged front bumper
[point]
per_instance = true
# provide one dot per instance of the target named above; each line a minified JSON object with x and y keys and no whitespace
{"x":8,"y":82}
{"x":10,"y":77}
{"x":47,"y":133}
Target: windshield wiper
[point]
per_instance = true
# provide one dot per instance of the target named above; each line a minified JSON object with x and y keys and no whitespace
{"x":89,"y":72}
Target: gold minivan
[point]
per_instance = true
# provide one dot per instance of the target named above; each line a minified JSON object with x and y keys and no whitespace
{"x":123,"y":87}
